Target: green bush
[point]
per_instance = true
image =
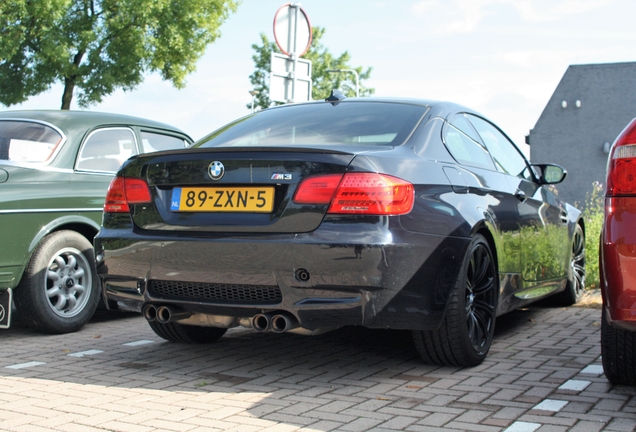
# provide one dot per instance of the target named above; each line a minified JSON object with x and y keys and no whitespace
{"x":593,"y":212}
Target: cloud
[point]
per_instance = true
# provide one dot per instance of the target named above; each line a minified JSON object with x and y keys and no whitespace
{"x":517,"y":58}
{"x":456,"y":16}
{"x":547,"y":10}
{"x":464,"y":16}
{"x":424,"y":6}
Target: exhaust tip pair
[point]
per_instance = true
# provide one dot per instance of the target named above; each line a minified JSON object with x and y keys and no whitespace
{"x":278,"y":323}
{"x":163,"y":314}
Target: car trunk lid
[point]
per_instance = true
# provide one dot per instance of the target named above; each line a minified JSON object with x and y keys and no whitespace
{"x":232,"y":189}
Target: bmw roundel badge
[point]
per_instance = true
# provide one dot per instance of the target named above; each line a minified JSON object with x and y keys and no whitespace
{"x":216,"y":170}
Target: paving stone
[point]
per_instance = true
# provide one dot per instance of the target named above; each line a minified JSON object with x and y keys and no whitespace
{"x":587,"y":426}
{"x":438,"y":419}
{"x":350,"y":379}
{"x":496,"y":422}
{"x":361,"y":424}
{"x":619,"y":424}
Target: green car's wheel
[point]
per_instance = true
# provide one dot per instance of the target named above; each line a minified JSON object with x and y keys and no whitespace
{"x":465,"y":336}
{"x":59,"y":290}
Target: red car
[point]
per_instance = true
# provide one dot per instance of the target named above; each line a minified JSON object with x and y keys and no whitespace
{"x":618,"y":262}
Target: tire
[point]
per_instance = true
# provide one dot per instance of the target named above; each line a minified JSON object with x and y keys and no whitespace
{"x":575,"y":286}
{"x":175,"y":332}
{"x":467,"y":331}
{"x":618,"y":350}
{"x":59,"y":290}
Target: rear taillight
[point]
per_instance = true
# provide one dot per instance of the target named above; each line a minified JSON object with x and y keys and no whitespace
{"x":358,"y":193}
{"x":621,"y":165}
{"x":317,"y":189}
{"x":124,"y":191}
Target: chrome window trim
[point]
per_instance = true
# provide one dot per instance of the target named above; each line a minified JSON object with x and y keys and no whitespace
{"x":44,"y":123}
{"x":53,"y":210}
{"x":101,"y":129}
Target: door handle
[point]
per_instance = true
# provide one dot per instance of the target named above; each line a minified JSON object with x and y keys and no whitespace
{"x":520,"y":195}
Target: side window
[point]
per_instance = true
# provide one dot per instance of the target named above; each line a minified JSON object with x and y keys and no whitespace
{"x":106,"y":149}
{"x":507,"y":157}
{"x":151,"y":142}
{"x":25,"y":141}
{"x":462,"y":142}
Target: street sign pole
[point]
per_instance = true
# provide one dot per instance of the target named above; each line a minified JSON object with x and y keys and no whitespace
{"x":281,"y":78}
{"x":292,"y":32}
{"x":295,"y":7}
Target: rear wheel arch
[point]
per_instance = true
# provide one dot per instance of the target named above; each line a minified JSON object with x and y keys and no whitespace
{"x":485,"y":231}
{"x":88,"y":231}
{"x":81,"y":225}
{"x":581,"y":222}
{"x":488,"y":231}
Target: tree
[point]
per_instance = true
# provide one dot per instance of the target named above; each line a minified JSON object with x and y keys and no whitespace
{"x":94,"y":47}
{"x":322,"y":60}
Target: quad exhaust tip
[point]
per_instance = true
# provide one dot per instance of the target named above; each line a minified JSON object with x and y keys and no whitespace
{"x":261,"y":322}
{"x":281,"y":323}
{"x":278,"y":323}
{"x":150,"y":313}
{"x":164,"y":314}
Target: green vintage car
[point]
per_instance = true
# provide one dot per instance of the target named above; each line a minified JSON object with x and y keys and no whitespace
{"x":55,"y":168}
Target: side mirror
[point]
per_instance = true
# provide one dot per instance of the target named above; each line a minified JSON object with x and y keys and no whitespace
{"x":549,"y":173}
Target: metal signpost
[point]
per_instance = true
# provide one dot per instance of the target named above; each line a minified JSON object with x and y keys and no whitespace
{"x":284,"y":89}
{"x":290,"y":77}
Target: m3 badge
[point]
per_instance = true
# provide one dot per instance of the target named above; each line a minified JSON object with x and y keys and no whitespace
{"x":281,"y":176}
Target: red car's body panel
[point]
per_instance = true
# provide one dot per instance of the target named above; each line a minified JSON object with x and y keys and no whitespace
{"x":618,"y":261}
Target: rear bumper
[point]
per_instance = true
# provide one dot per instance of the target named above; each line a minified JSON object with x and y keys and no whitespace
{"x":617,"y":262}
{"x":10,"y":276}
{"x":385,"y":277}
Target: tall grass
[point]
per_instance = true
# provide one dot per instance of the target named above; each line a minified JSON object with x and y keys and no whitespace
{"x":593,"y":213}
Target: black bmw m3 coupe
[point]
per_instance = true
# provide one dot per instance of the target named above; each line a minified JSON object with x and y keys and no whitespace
{"x":384,"y":213}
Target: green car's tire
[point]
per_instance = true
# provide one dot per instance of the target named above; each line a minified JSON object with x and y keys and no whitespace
{"x":59,"y":290}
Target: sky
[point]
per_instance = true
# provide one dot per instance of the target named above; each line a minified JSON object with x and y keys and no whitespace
{"x":502,"y":58}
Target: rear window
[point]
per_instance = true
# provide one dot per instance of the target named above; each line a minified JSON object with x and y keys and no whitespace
{"x":23,"y":141}
{"x":151,"y":142}
{"x":344,"y":123}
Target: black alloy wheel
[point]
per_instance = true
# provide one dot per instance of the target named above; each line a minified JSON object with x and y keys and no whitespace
{"x":575,"y":287}
{"x":480,"y":298}
{"x":465,"y":336}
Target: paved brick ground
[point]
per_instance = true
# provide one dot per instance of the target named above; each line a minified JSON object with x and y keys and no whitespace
{"x":543,"y":374}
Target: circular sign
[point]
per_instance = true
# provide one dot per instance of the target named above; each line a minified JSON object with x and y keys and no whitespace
{"x":292,"y":30}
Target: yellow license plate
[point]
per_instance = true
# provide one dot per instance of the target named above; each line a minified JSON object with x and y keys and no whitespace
{"x":223,"y":199}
